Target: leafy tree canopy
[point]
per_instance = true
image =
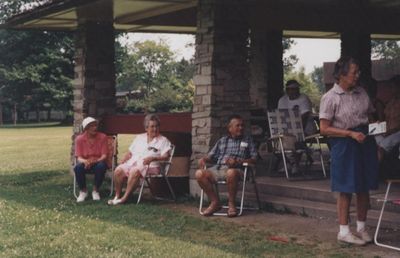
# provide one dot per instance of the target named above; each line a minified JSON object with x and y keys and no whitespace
{"x":386,"y":49}
{"x":150,"y":68}
{"x":36,"y":68}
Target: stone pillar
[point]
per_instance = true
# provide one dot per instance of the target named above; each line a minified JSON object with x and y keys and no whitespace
{"x":221,"y":80}
{"x":94,"y":83}
{"x":266,"y":68}
{"x":358,"y":45}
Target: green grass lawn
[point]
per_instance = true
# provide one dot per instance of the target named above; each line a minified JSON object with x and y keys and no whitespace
{"x":40,"y":218}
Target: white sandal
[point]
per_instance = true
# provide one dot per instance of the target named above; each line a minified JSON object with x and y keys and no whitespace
{"x":114,"y":201}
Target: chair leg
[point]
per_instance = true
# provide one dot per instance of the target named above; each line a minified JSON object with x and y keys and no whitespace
{"x":201,"y":202}
{"x":243,"y":189}
{"x":256,"y":189}
{"x":74,"y":189}
{"x":112,"y":183}
{"x":380,"y":220}
{"x":284,"y":158}
{"x":322,"y":163}
{"x":170,"y":188}
{"x":141,"y":191}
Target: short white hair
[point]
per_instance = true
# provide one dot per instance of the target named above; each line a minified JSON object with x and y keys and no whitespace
{"x":151,"y":117}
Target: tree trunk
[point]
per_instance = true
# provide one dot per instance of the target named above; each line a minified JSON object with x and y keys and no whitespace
{"x":37,"y":115}
{"x":15,"y":114}
{"x":1,"y":113}
{"x":48,"y":114}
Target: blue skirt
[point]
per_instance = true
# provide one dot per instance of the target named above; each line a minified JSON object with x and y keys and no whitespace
{"x":354,"y":166}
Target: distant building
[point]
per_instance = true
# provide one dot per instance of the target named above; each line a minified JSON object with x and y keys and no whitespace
{"x":122,"y":97}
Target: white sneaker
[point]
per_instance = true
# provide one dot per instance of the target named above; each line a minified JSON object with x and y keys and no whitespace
{"x":351,"y":239}
{"x":96,"y":196}
{"x":82,"y":196}
{"x":363,"y":234}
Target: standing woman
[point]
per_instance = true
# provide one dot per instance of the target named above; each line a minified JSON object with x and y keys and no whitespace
{"x":344,"y":116}
{"x":91,"y":154}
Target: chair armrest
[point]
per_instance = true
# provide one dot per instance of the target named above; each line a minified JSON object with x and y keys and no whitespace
{"x":276,"y":137}
{"x":312,"y":136}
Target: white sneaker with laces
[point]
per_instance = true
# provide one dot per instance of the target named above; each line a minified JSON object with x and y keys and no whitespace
{"x":351,"y":239}
{"x":82,"y":196}
{"x":363,"y":234}
{"x":96,"y":196}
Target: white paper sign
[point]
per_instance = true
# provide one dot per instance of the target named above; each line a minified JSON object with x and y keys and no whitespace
{"x":377,"y":128}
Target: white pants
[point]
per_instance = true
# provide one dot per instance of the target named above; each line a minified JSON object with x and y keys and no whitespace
{"x":388,"y":143}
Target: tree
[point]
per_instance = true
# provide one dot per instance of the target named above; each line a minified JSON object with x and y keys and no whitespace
{"x":317,"y":76}
{"x":36,"y":68}
{"x":12,"y":7}
{"x":290,"y":61}
{"x":150,"y":67}
{"x":386,"y":49}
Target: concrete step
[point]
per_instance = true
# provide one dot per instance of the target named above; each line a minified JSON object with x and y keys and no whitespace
{"x":318,"y":210}
{"x":317,"y":190}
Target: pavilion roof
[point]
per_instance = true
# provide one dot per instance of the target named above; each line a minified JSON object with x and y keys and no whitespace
{"x":297,"y":18}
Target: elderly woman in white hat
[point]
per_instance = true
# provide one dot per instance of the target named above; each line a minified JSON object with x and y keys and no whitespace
{"x":91,"y":153}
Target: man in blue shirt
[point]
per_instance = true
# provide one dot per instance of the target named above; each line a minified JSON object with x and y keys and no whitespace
{"x":228,"y":155}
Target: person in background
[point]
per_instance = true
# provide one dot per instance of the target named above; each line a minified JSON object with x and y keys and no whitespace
{"x":293,"y":99}
{"x":345,"y":112}
{"x":228,"y":155}
{"x":91,"y":153}
{"x":391,"y":139}
{"x":145,"y":153}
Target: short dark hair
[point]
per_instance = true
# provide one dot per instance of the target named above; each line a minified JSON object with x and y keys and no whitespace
{"x":342,"y":66}
{"x":290,"y":82}
{"x":234,"y":116}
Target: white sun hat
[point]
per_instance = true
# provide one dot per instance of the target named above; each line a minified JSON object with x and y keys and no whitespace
{"x":88,"y":120}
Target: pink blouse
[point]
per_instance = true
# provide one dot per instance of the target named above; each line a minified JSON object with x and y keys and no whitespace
{"x":86,"y":150}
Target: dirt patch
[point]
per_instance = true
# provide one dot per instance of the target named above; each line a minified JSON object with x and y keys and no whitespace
{"x":319,"y":233}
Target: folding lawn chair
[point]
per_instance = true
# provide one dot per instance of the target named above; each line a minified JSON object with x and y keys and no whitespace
{"x":286,"y":135}
{"x":385,"y":201}
{"x":112,"y":143}
{"x":248,"y":170}
{"x":165,"y":166}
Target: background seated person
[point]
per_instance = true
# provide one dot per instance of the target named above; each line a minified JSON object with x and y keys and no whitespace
{"x":144,"y":154}
{"x":91,"y":152}
{"x":229,"y":153}
{"x":391,"y":139}
{"x":293,"y":99}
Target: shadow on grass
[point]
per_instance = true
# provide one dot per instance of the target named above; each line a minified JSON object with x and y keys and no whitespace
{"x":53,"y":191}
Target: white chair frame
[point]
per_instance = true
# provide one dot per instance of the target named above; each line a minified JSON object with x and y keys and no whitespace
{"x":385,"y":201}
{"x":241,"y":207}
{"x":163,"y":174}
{"x":294,"y":127}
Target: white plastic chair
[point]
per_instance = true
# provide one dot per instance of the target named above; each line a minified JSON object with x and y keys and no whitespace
{"x":112,"y":143}
{"x":247,"y":170}
{"x":165,"y":167}
{"x":287,"y":122}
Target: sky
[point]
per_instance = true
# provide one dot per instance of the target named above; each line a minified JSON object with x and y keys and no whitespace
{"x":314,"y":52}
{"x":310,"y":52}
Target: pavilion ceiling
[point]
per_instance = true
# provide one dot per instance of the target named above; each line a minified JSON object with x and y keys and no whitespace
{"x":297,"y":18}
